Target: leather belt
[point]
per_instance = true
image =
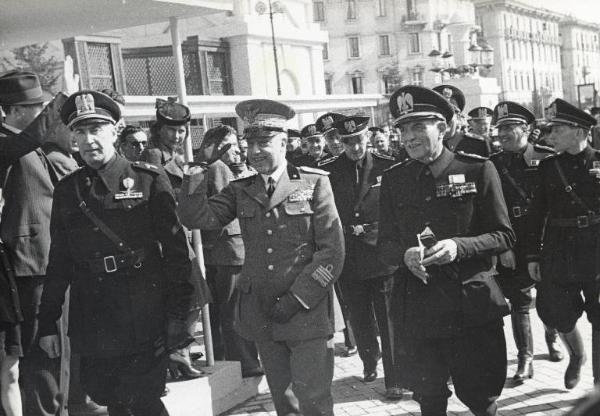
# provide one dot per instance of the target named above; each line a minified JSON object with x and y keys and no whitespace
{"x":582,"y":221}
{"x":358,"y":229}
{"x":112,"y":263}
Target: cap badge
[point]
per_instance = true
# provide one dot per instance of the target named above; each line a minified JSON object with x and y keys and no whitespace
{"x":405,"y":103}
{"x":447,"y":92}
{"x":85,"y":104}
{"x":312,"y":130}
{"x":327,"y":122}
{"x":250,"y":115}
{"x":350,"y":126}
{"x":503,"y":111}
{"x":482,"y":113}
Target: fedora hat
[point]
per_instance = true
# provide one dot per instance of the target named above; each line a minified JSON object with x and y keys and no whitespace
{"x":21,"y":88}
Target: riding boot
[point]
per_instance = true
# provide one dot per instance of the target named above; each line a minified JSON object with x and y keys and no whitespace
{"x":524,"y":340}
{"x":596,"y":357}
{"x":577,"y":357}
{"x":554,"y":352}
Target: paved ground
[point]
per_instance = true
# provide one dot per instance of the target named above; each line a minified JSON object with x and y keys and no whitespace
{"x":543,"y":395}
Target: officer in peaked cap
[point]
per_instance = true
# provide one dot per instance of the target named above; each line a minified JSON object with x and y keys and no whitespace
{"x":294,"y":149}
{"x":453,"y":94}
{"x":595,"y":112}
{"x":564,"y":214}
{"x":115,"y":235}
{"x":518,"y":166}
{"x":381,"y":144}
{"x":332,"y":138}
{"x":294,"y":254}
{"x":365,"y":282}
{"x":480,"y":119}
{"x":315,"y":143}
{"x":445,"y":322}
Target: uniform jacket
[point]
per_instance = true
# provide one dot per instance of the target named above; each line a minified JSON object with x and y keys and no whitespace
{"x":164,"y":158}
{"x":294,"y":243}
{"x":223,"y":247}
{"x":569,"y":253}
{"x":469,"y":143}
{"x":519,"y":177}
{"x":472,"y":212}
{"x":122,"y":312}
{"x":356,"y":188}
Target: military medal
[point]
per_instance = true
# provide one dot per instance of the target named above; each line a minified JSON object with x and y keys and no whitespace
{"x":128,"y":193}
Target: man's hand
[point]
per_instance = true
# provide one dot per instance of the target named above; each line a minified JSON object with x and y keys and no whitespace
{"x":51,"y":345}
{"x":443,"y":252}
{"x":285,"y":307}
{"x":534,"y":271}
{"x":412,"y":259}
{"x":70,"y":79}
{"x":508,"y":260}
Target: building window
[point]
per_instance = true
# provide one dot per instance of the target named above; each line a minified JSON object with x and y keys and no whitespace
{"x":449,"y":43}
{"x":351,"y":12}
{"x":413,"y":43}
{"x":328,"y":86}
{"x":417,"y":77}
{"x":318,"y":11}
{"x":410,"y":7}
{"x":325,"y":52}
{"x":384,"y":45}
{"x":357,"y":84}
{"x":353,"y":47}
{"x":380,"y":8}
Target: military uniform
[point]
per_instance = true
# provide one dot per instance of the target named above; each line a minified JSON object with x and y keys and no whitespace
{"x":119,"y":246}
{"x":469,"y":143}
{"x":453,"y":324}
{"x":294,"y":251}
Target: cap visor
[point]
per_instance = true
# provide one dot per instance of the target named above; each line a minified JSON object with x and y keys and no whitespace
{"x":511,"y":120}
{"x":418,"y":116}
{"x":86,"y":117}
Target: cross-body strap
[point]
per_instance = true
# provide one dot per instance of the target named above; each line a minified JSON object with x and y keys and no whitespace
{"x":505,"y":172}
{"x":569,"y":189}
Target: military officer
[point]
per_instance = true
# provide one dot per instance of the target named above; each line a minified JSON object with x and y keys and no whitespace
{"x":325,"y":125}
{"x":294,"y":253}
{"x":517,"y":165}
{"x":293,"y":149}
{"x":566,"y":211}
{"x":315,"y":141}
{"x":456,"y":139}
{"x":117,"y":242}
{"x":480,"y":121}
{"x":446,"y":302}
{"x":365,"y":282}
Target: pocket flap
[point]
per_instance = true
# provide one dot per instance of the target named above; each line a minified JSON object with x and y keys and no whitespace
{"x":298,"y":208}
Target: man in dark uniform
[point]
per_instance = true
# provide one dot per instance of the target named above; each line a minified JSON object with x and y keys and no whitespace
{"x":117,"y":242}
{"x":293,"y":149}
{"x":480,"y":119}
{"x":517,"y":165}
{"x":365,"y":282}
{"x":595,"y":137}
{"x":294,"y":253}
{"x":565,"y":211}
{"x":442,"y":218}
{"x":316,"y":147}
{"x":455,"y":138}
{"x":325,"y":125}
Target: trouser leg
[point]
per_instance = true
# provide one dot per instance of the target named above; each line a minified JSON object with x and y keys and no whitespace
{"x":596,"y":356}
{"x":214,"y":310}
{"x":551,"y":336}
{"x":349,"y":339}
{"x":574,"y":344}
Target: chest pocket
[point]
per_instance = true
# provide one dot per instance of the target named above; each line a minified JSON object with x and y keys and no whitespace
{"x":297,"y":208}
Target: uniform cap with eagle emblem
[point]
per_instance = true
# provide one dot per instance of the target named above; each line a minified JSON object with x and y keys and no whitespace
{"x":413,"y":102}
{"x":509,"y":112}
{"x":561,"y":112}
{"x":325,"y":122}
{"x":89,"y":105}
{"x":264,"y":117}
{"x":480,"y":113}
{"x":310,"y":131}
{"x":351,"y":126}
{"x":454,"y":95}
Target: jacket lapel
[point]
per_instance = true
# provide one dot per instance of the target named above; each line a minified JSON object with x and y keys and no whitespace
{"x":365,"y":184}
{"x":256,"y":190}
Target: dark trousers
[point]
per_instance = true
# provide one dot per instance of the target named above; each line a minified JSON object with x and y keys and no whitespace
{"x":128,"y":385}
{"x":228,"y":344}
{"x":39,"y":375}
{"x":349,"y":340}
{"x":367,"y":301}
{"x":299,"y":375}
{"x":476,"y":361}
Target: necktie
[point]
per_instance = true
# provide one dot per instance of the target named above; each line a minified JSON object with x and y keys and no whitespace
{"x":270,"y":186}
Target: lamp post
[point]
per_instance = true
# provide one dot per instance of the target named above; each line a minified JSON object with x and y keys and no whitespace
{"x":274,"y":7}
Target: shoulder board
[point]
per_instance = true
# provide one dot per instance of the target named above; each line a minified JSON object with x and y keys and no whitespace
{"x":149,"y":167}
{"x":404,"y":162}
{"x":471,"y":155}
{"x":246,"y":176}
{"x":327,"y":161}
{"x":72,"y":174}
{"x":474,"y":136}
{"x":380,"y":156}
{"x":306,"y":169}
{"x":543,"y":149}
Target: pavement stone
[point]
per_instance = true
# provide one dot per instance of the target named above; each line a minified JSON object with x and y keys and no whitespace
{"x":544,"y":395}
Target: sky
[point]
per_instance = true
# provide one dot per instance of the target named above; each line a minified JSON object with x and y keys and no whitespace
{"x":588,"y":10}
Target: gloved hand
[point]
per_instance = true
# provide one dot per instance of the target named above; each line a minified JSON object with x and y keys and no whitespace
{"x":177,"y":335}
{"x":285,"y":307}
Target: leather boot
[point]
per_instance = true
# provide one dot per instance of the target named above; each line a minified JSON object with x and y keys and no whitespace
{"x":524,"y":340}
{"x":554,"y":352}
{"x":596,"y":357}
{"x":574,"y":344}
{"x":180,"y":365}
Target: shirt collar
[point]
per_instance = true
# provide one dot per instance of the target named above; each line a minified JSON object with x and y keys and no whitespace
{"x":275,"y":175}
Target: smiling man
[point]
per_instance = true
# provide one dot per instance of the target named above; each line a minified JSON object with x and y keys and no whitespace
{"x":294,"y":253}
{"x":442,"y":218}
{"x":128,"y":296}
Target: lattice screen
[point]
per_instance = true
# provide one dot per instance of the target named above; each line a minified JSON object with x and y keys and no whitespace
{"x":100,"y":66}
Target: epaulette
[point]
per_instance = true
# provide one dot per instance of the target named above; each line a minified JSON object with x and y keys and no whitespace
{"x":404,"y":162}
{"x":246,"y":176}
{"x":149,"y":167}
{"x":327,"y":161}
{"x":307,"y":169}
{"x":471,"y":155}
{"x":72,"y":173}
{"x":380,"y":156}
{"x":473,"y":136}
{"x":543,"y":149}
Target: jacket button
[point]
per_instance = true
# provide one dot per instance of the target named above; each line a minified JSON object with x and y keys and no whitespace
{"x":270,"y":267}
{"x":428,"y":198}
{"x":268,"y":214}
{"x":269,"y":250}
{"x":269,"y":232}
{"x":356,"y":214}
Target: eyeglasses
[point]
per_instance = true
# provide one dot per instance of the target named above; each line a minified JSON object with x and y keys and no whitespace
{"x":137,"y":145}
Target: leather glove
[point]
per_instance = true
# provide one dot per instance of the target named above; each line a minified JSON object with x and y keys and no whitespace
{"x":285,"y":307}
{"x":177,"y":335}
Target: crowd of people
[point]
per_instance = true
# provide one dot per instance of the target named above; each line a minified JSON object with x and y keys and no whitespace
{"x":415,"y":239}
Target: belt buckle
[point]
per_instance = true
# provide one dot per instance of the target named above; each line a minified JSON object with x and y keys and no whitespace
{"x":110,"y":264}
{"x":357,"y":229}
{"x":583,"y":221}
{"x":517,"y":212}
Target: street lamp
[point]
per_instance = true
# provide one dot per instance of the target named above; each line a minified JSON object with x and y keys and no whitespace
{"x":274,"y":7}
